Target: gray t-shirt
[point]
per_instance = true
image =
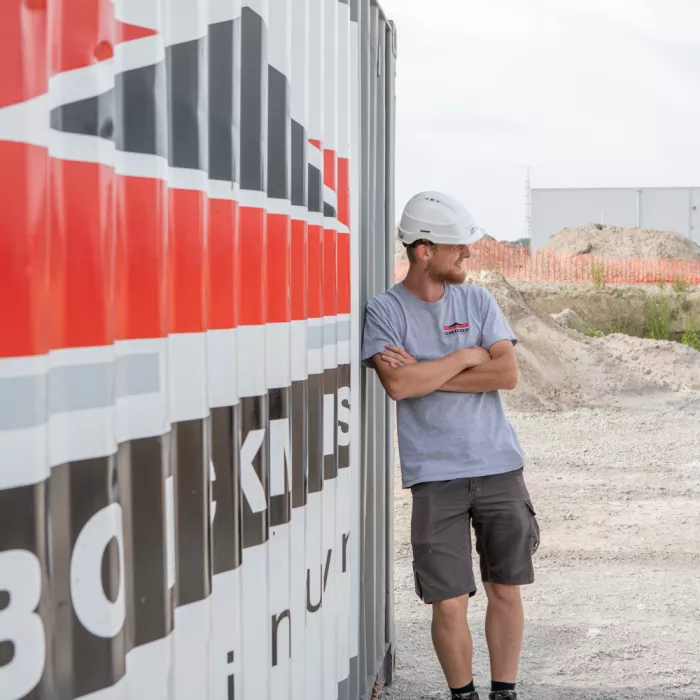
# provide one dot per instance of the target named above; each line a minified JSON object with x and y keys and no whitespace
{"x":445,"y":435}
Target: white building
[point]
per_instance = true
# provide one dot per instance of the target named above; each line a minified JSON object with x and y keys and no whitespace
{"x":668,"y":208}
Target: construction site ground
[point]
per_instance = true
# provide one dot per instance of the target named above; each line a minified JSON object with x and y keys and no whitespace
{"x":615,"y":610}
{"x":610,"y":427}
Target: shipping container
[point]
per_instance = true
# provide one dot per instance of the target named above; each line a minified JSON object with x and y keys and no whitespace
{"x":196,"y":201}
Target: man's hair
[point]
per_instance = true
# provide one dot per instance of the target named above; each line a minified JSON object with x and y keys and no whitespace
{"x":411,"y":249}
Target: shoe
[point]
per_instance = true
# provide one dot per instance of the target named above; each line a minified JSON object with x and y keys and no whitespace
{"x":503,"y":695}
{"x":469,"y":696}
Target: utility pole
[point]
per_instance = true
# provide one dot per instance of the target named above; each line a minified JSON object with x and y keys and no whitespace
{"x":528,"y":203}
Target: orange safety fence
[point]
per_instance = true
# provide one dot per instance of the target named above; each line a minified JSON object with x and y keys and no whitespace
{"x":522,"y":263}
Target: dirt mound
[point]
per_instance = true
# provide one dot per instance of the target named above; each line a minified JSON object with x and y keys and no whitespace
{"x":666,"y":363}
{"x":624,"y":242}
{"x":617,"y":309}
{"x":570,"y":319}
{"x":561,"y":368}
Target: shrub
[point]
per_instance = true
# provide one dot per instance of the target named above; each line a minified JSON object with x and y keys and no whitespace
{"x":680,"y":285}
{"x":691,"y":335}
{"x":598,"y":274}
{"x":658,"y":317}
{"x":691,"y":338}
{"x":594,"y":333}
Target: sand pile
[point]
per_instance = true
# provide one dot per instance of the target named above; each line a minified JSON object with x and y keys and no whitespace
{"x":668,"y":364}
{"x":624,"y":242}
{"x":561,"y":368}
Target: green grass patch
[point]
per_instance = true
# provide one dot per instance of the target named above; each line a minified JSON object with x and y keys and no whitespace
{"x":659,"y":317}
{"x":691,"y":335}
{"x":594,"y":333}
{"x":598,"y":274}
{"x":691,"y":338}
{"x":680,"y":285}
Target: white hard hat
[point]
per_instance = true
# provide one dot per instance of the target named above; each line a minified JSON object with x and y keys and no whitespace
{"x":437,"y":218}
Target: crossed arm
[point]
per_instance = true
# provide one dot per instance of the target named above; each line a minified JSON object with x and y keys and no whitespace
{"x":469,"y":370}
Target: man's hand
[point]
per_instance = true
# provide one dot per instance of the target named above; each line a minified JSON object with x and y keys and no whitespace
{"x":500,"y":374}
{"x":404,"y":378}
{"x":397,"y":357}
{"x":477,"y":356}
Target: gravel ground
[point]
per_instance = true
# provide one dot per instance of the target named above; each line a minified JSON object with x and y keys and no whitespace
{"x":615,"y":611}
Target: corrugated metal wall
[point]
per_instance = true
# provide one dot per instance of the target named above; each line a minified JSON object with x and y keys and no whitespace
{"x":195,"y":202}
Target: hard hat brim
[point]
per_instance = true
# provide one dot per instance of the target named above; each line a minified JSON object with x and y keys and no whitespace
{"x":478,"y":234}
{"x":408,"y":238}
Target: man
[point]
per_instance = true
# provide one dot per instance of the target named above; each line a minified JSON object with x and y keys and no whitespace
{"x":443,"y":350}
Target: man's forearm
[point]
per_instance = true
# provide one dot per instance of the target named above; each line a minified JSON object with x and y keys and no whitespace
{"x":422,"y":378}
{"x":500,"y":374}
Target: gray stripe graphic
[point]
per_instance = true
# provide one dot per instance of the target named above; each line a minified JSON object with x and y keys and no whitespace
{"x":22,"y":402}
{"x":80,"y":387}
{"x":330,"y":333}
{"x":26,"y":401}
{"x":187,"y":101}
{"x":314,"y":337}
{"x":278,"y":135}
{"x":344,"y":686}
{"x":221,"y":101}
{"x":343,"y":330}
{"x":327,"y":334}
{"x":93,"y":116}
{"x":315,"y":189}
{"x":142,"y":130}
{"x":253,"y":101}
{"x":299,"y":165}
{"x":137,"y":374}
{"x":355,"y":676}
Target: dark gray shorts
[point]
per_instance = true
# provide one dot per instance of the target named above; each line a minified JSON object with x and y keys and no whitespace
{"x":507,"y":534}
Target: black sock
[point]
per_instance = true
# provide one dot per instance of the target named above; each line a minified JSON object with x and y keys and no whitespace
{"x":496,"y":686}
{"x":461,"y":692}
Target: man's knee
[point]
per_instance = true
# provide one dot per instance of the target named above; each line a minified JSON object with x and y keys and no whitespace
{"x":451,"y":610}
{"x":500,"y":594}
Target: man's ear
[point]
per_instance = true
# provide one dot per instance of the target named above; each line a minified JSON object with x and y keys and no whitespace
{"x":423,"y":252}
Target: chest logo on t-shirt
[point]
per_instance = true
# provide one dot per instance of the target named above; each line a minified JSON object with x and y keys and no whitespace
{"x":456,"y":328}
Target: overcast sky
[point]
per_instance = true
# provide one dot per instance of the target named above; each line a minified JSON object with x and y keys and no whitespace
{"x":587,"y":92}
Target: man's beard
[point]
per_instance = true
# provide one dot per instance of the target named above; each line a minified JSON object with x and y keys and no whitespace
{"x":451,"y":276}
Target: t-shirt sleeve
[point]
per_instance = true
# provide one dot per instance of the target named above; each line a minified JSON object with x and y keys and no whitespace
{"x":380,"y":330}
{"x":494,"y":326}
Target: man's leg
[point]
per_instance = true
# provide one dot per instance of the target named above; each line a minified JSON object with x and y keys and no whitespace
{"x":453,"y":640}
{"x":505,"y":623}
{"x":507,"y":536}
{"x":443,"y":574}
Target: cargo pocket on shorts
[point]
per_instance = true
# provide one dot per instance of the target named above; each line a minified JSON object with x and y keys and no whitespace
{"x":534,"y":527}
{"x":416,"y":582}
